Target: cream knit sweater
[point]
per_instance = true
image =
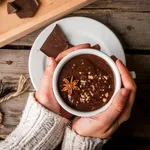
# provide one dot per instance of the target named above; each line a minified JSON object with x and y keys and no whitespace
{"x":40,"y":129}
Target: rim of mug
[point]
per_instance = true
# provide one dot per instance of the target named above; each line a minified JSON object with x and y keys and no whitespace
{"x":60,"y":65}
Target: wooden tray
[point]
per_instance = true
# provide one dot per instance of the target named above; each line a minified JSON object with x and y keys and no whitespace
{"x":13,"y":28}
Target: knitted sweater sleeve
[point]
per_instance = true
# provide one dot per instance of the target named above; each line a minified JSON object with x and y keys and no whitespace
{"x":39,"y":129}
{"x":73,"y":141}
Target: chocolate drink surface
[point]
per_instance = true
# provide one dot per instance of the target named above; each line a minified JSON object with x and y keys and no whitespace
{"x":86,"y":82}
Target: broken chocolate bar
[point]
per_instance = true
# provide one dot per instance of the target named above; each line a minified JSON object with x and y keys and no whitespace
{"x":97,"y":46}
{"x":27,"y":8}
{"x":55,"y":43}
{"x":11,"y":8}
{"x":114,"y":58}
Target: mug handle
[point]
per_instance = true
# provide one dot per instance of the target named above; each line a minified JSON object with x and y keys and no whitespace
{"x":133,"y":74}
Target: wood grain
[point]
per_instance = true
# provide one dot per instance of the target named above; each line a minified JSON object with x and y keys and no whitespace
{"x":10,"y":72}
{"x":136,"y":127}
{"x":132,"y":28}
{"x":12,"y":111}
{"x":125,"y":144}
{"x":12,"y":27}
{"x":122,"y":5}
{"x":129,"y":19}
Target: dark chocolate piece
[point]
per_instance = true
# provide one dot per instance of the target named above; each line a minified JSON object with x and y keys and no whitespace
{"x":114,"y":58}
{"x":55,"y":43}
{"x":96,"y":82}
{"x":27,"y":8}
{"x":97,"y":46}
{"x":11,"y":8}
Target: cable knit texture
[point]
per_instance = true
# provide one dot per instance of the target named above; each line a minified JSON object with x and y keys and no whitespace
{"x":40,"y":129}
{"x":73,"y":141}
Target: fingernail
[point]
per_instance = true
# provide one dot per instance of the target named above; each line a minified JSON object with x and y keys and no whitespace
{"x":125,"y":92}
{"x":50,"y":60}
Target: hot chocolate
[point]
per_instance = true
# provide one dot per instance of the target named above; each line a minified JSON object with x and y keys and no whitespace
{"x":86,"y":82}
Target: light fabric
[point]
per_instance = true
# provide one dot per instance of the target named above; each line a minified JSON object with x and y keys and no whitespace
{"x":40,"y":129}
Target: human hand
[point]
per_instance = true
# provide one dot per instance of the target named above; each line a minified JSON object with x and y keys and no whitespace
{"x":44,"y":94}
{"x":104,"y":124}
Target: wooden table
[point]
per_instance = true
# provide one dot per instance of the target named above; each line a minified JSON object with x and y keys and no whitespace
{"x":130,"y":20}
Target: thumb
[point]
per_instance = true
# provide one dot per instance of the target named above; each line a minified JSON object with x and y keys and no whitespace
{"x":46,"y":81}
{"x":120,"y":100}
{"x":117,"y":106}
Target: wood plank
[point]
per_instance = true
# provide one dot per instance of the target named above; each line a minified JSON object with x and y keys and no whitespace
{"x":138,"y":124}
{"x":12,"y":111}
{"x":12,"y":65}
{"x":14,"y":61}
{"x":124,"y":145}
{"x":13,"y":28}
{"x":122,"y":5}
{"x":132,"y":28}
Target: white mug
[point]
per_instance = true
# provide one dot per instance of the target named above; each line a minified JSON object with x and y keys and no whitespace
{"x":117,"y":80}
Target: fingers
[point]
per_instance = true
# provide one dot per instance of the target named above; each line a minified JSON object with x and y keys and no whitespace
{"x":112,"y":113}
{"x":66,"y":52}
{"x":45,"y":95}
{"x":46,"y":81}
{"x":81,"y":46}
{"x":127,"y":80}
{"x":125,"y":115}
{"x":128,"y":83}
{"x":85,"y":126}
{"x":111,"y":130}
{"x":75,"y":120}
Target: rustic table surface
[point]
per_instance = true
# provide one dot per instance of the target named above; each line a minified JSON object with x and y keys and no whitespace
{"x":130,"y":20}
